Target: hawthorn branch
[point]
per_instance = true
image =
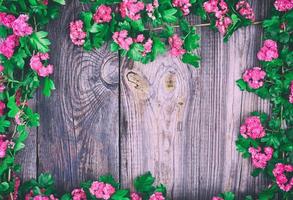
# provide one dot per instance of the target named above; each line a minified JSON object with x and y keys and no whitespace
{"x":199,"y":25}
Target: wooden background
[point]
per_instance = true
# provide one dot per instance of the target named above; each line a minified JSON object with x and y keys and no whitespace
{"x":112,"y":115}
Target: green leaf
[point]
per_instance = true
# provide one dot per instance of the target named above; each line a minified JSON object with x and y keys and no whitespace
{"x":191,"y":42}
{"x":87,"y":19}
{"x":137,"y":25}
{"x":189,"y":58}
{"x":229,"y":196}
{"x":114,"y":47}
{"x":18,"y":146}
{"x":241,"y":84}
{"x":4,"y":124}
{"x":13,"y":108}
{"x":62,"y":2}
{"x":135,"y":52}
{"x":4,"y":186}
{"x":40,"y":42}
{"x":66,"y":196}
{"x":48,"y":87}
{"x":120,"y":195}
{"x":19,"y":58}
{"x":158,"y":47}
{"x":109,"y":179}
{"x":45,"y":180}
{"x":144,"y":183}
{"x":168,"y":15}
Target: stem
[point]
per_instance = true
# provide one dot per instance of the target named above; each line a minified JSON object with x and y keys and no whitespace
{"x":199,"y":25}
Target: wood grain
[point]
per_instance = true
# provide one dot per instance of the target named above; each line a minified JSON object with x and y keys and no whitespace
{"x":78,"y":137}
{"x":181,"y":123}
{"x":28,"y":156}
{"x":111,"y":115}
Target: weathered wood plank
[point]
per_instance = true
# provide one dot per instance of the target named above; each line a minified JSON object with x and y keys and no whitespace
{"x":28,"y":156}
{"x":78,"y":137}
{"x":181,"y":123}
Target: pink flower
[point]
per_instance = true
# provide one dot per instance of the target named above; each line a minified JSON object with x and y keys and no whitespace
{"x":45,"y":2}
{"x":254,"y":77}
{"x":139,"y":38}
{"x":37,"y":65}
{"x":218,"y":7}
{"x":269,"y":51}
{"x":244,"y":9}
{"x":78,"y":194}
{"x":148,"y":46}
{"x":135,"y":196}
{"x":283,"y":5}
{"x":21,"y":27}
{"x":176,"y":44}
{"x":157,"y":196}
{"x":3,"y":145}
{"x":41,"y":197}
{"x":122,"y":40}
{"x":8,"y":45}
{"x":252,"y":128}
{"x":103,"y":14}
{"x":223,"y":24}
{"x":102,"y":190}
{"x":183,"y":5}
{"x":150,"y":8}
{"x":131,"y":9}
{"x":291,"y":93}
{"x":17,"y":118}
{"x":6,"y":19}
{"x":283,"y":182}
{"x":77,"y":35}
{"x":2,"y":108}
{"x":217,"y":198}
{"x":259,"y":160}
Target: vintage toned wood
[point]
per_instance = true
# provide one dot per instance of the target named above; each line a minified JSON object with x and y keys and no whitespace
{"x":181,"y":123}
{"x":176,"y":121}
{"x":78,"y":137}
{"x":28,"y":156}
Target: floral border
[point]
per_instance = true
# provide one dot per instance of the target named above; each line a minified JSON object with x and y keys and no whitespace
{"x":24,"y":67}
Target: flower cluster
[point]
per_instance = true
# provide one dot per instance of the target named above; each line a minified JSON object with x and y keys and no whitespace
{"x":135,"y":196}
{"x":220,"y":9}
{"x":157,"y":196}
{"x":283,"y":5}
{"x":244,"y":9}
{"x":3,"y":145}
{"x":254,"y":77}
{"x":283,"y":182}
{"x":252,"y":128}
{"x":78,"y":194}
{"x":183,"y":5}
{"x":217,"y":198}
{"x":122,"y":39}
{"x":77,"y":35}
{"x":102,"y":190}
{"x":131,"y":9}
{"x":121,"y":22}
{"x":176,"y":44}
{"x":269,"y":51}
{"x":259,"y":159}
{"x":150,"y":8}
{"x":37,"y":65}
{"x":20,"y":28}
{"x":103,"y":14}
